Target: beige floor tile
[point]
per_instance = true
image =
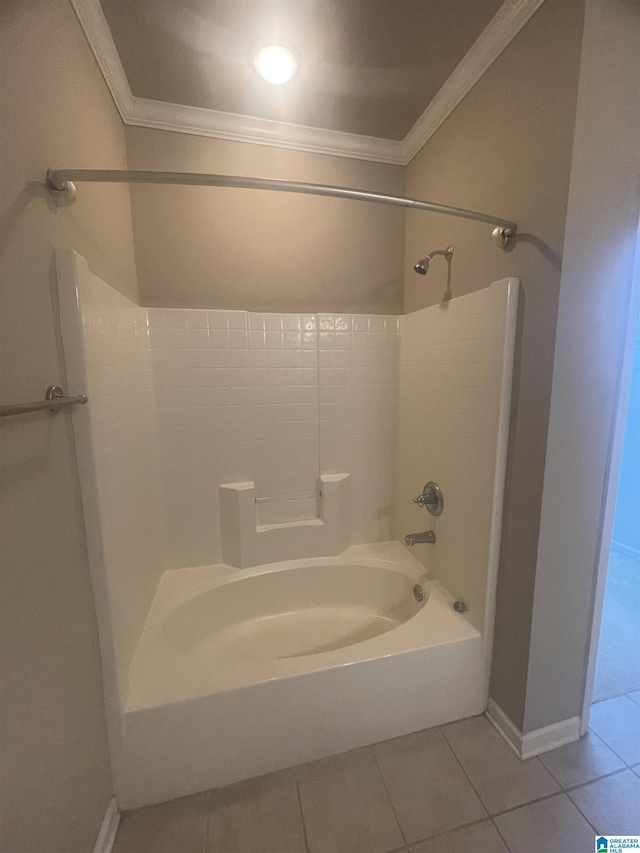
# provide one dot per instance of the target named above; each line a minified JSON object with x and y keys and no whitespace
{"x":582,"y":761}
{"x":479,"y":838}
{"x":617,"y":722}
{"x":618,"y":664}
{"x":500,"y":778}
{"x":635,"y":696}
{"x":259,"y":816}
{"x":427,"y":786}
{"x":166,"y":828}
{"x":612,"y":805}
{"x":553,"y":825}
{"x":345,"y":806}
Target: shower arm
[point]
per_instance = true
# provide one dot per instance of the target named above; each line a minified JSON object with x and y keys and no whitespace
{"x":448,"y":253}
{"x":61,"y":184}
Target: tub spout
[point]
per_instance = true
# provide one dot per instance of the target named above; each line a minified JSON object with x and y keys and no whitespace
{"x":419,"y":538}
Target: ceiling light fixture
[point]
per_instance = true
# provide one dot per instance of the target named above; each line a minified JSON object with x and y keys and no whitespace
{"x":275,"y":64}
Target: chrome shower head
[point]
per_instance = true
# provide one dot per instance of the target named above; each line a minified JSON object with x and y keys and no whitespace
{"x":422,"y":267}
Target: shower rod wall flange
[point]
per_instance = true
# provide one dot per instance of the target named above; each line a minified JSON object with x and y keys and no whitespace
{"x":61,"y":184}
{"x":501,"y":236}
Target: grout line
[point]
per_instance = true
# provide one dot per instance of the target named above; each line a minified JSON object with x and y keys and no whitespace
{"x":617,"y":696}
{"x":608,"y":745}
{"x":488,"y":816}
{"x":579,"y":810}
{"x":565,"y":791}
{"x":316,"y":326}
{"x":386,"y":790}
{"x":595,"y":734}
{"x":304,"y":825}
{"x":487,"y":819}
{"x":441,"y":833}
{"x":566,"y":788}
{"x":557,"y":781}
{"x":573,"y":788}
{"x":497,"y":829}
{"x":529,"y":803}
{"x":628,"y":695}
{"x":453,"y":752}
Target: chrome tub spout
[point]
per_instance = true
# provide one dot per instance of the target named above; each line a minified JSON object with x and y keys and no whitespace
{"x":428,"y":537}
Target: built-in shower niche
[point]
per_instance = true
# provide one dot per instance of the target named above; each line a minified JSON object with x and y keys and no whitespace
{"x":248,"y":541}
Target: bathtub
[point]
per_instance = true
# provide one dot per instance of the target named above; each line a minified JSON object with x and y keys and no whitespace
{"x":242,"y":672}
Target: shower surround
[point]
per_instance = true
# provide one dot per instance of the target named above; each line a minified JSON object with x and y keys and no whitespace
{"x":275,"y":399}
{"x":305,"y":421}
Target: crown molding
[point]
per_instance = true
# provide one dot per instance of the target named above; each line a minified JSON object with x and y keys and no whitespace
{"x":499,"y":32}
{"x":144,"y":112}
{"x":96,"y":29}
{"x":278,"y":134}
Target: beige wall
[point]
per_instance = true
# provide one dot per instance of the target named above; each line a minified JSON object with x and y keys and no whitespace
{"x":55,"y":111}
{"x":507,"y":149}
{"x":595,"y":297}
{"x":263,"y":251}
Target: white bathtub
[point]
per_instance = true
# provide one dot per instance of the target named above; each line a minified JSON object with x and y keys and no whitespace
{"x":239,"y":673}
{"x":288,"y":611}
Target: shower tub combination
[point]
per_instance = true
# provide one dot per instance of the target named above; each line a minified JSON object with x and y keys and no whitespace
{"x":238,"y":672}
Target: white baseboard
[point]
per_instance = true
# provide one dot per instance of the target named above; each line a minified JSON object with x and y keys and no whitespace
{"x":503,"y":725}
{"x":627,"y":550}
{"x":107,"y":835}
{"x":535,"y":742}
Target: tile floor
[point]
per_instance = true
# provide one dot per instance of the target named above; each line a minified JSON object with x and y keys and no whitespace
{"x":454,"y":789}
{"x":618,"y":665}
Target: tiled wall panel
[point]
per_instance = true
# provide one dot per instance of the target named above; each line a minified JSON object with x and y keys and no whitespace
{"x":203,"y":396}
{"x":244,"y":396}
{"x":358,"y":414}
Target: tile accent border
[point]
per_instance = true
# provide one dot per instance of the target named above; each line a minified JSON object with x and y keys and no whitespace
{"x":536,"y":742}
{"x":145,"y":112}
{"x":110,"y":823}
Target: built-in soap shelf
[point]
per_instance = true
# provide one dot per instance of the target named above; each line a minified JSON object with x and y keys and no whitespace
{"x":287,"y":509}
{"x":248,"y":541}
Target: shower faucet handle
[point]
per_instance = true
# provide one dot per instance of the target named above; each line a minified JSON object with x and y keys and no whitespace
{"x":431,"y":498}
{"x":423,"y":500}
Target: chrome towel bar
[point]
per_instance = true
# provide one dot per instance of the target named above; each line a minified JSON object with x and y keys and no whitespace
{"x":54,"y":400}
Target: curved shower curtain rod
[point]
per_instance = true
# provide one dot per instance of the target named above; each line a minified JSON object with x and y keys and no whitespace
{"x":61,"y":183}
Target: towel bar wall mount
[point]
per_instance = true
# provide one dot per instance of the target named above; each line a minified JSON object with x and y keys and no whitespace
{"x":55,"y":399}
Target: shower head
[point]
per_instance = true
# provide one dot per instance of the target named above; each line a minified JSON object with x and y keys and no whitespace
{"x":422,"y":267}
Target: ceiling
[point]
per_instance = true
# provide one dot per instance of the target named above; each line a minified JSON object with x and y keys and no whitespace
{"x":367,"y":67}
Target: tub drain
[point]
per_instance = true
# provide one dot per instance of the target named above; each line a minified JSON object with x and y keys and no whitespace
{"x":418,"y":592}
